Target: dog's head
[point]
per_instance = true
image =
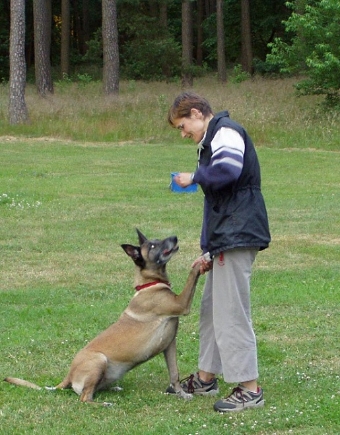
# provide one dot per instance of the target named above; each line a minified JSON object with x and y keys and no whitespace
{"x":152,"y":254}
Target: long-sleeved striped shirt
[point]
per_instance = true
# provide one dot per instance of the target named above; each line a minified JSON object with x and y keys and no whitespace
{"x":226,"y":161}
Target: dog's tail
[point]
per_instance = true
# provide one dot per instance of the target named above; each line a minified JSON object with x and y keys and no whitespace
{"x":22,"y":383}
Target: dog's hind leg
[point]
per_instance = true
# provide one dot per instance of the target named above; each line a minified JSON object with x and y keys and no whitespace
{"x":87,"y":375}
{"x":170,"y":355}
{"x":90,"y":387}
{"x":64,"y":384}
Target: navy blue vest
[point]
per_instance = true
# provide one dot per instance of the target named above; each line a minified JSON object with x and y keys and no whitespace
{"x":234,"y":216}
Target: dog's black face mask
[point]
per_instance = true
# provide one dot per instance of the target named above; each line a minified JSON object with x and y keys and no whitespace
{"x":161,"y":251}
{"x":155,"y":251}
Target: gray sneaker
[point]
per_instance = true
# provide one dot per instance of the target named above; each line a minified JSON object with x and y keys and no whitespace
{"x":194,"y":385}
{"x":240,"y":398}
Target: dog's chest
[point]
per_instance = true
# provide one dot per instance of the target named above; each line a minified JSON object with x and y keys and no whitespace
{"x":164,"y":332}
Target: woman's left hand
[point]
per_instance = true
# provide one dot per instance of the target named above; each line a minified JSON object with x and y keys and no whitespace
{"x":205,"y":265}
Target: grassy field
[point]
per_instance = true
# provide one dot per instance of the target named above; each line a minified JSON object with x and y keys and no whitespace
{"x":268,"y":108}
{"x":76,"y":182}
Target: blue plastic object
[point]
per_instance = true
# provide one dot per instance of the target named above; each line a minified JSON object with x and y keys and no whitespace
{"x":174,"y":187}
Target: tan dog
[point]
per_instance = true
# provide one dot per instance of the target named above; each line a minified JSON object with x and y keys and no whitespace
{"x":147,"y":327}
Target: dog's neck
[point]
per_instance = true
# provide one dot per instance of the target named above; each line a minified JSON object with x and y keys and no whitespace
{"x":150,"y":284}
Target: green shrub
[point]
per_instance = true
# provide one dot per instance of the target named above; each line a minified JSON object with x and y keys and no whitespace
{"x":314,"y":51}
{"x":238,"y":75}
{"x":152,"y":59}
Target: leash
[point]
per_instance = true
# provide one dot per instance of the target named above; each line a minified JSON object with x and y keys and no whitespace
{"x":150,"y":284}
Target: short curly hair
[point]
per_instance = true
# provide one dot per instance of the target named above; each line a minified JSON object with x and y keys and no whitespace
{"x":181,"y":107}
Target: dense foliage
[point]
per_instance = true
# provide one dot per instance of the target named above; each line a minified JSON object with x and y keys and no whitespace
{"x":314,"y":49}
{"x":148,"y":48}
{"x":297,"y":37}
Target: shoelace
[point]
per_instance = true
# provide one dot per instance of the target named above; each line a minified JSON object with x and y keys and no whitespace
{"x":239,"y":395}
{"x":190,"y":381}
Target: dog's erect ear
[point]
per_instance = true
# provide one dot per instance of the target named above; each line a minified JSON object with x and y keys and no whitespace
{"x":135,"y":253}
{"x":141,"y":237}
{"x":132,"y":251}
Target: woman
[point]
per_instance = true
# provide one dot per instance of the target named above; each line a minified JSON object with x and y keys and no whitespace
{"x":235,"y":227}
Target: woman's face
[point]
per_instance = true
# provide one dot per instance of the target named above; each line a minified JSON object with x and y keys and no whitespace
{"x":193,"y":126}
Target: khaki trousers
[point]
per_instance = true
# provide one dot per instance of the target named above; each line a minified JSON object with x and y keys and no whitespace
{"x":227,"y":339}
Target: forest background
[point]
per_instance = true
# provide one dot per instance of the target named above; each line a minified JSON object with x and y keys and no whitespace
{"x":167,"y":41}
{"x":149,"y":35}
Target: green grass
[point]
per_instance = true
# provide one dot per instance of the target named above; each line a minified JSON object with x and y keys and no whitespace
{"x":66,"y":205}
{"x":269,"y":109}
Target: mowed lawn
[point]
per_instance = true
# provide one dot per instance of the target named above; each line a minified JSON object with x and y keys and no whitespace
{"x":65,"y":208}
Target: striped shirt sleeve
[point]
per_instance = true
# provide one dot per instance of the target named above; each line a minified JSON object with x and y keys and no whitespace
{"x":226,"y":162}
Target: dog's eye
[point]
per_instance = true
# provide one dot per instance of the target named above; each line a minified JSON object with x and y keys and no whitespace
{"x":152,"y":246}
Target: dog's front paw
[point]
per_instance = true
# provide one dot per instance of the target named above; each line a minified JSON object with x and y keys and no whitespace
{"x":179,"y":393}
{"x":116,"y":388}
{"x":196,"y":268}
{"x":170,"y":390}
{"x":183,"y":395}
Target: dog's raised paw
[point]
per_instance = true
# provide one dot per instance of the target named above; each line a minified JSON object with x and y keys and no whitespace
{"x":116,"y":388}
{"x":184,"y":395}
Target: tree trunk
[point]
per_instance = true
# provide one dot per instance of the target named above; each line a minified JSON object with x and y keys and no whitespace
{"x":65,"y":38}
{"x":199,"y":50}
{"x":187,"y":77}
{"x":17,"y":81}
{"x":110,"y":48}
{"x":154,"y":7}
{"x":246,"y":40}
{"x":210,"y":7}
{"x":42,"y":15}
{"x":221,"y":62}
{"x":163,"y":14}
{"x":86,"y":26}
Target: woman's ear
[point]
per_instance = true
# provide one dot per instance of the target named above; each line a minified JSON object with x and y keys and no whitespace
{"x":195,"y":113}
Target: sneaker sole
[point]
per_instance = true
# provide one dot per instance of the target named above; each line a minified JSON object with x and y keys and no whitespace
{"x":214,"y":392}
{"x":206,"y":393}
{"x":238,"y":409}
